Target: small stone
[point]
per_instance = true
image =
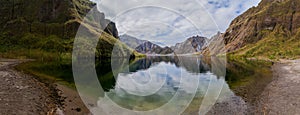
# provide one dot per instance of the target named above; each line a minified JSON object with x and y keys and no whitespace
{"x":78,"y":109}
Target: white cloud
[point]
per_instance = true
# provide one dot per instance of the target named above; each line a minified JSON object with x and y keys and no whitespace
{"x":173,"y":21}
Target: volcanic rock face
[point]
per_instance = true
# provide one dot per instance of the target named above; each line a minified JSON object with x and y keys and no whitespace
{"x":191,"y":45}
{"x":56,"y":22}
{"x":150,"y":48}
{"x":215,"y":45}
{"x":48,"y":17}
{"x":270,"y":16}
{"x":144,"y":46}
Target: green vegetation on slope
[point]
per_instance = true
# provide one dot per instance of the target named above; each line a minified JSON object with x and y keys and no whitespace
{"x":273,"y":46}
{"x":269,"y":31}
{"x":45,"y":30}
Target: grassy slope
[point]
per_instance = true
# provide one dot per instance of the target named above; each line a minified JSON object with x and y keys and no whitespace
{"x":279,"y":43}
{"x":52,"y":51}
{"x":273,"y":46}
{"x":50,"y":38}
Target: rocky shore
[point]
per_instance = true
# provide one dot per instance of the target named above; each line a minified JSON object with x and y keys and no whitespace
{"x":22,"y":94}
{"x":279,"y":97}
{"x":282,"y":95}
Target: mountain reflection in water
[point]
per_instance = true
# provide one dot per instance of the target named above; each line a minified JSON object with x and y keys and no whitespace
{"x":167,"y":85}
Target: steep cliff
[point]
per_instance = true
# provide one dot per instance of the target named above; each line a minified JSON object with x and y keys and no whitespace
{"x":270,"y":29}
{"x":45,"y":17}
{"x":215,"y":45}
{"x":52,"y":24}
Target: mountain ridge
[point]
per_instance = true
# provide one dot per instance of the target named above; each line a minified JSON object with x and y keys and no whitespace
{"x":131,"y":41}
{"x":49,"y":26}
{"x":271,"y":30}
{"x":144,"y":46}
{"x":190,"y":45}
{"x":151,"y":48}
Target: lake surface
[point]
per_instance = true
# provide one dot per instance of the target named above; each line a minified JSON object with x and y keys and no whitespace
{"x":173,"y":85}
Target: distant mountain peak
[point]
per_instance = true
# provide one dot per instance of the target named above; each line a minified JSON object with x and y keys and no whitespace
{"x":131,"y":41}
{"x":151,"y":48}
{"x":191,"y":45}
{"x":144,"y":46}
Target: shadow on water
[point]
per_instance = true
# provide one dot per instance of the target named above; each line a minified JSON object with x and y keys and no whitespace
{"x":248,"y":78}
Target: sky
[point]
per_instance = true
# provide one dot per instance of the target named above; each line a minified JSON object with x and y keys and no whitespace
{"x":172,"y":21}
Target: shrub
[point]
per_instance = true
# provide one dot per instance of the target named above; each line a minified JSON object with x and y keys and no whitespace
{"x":29,"y":41}
{"x":52,"y":43}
